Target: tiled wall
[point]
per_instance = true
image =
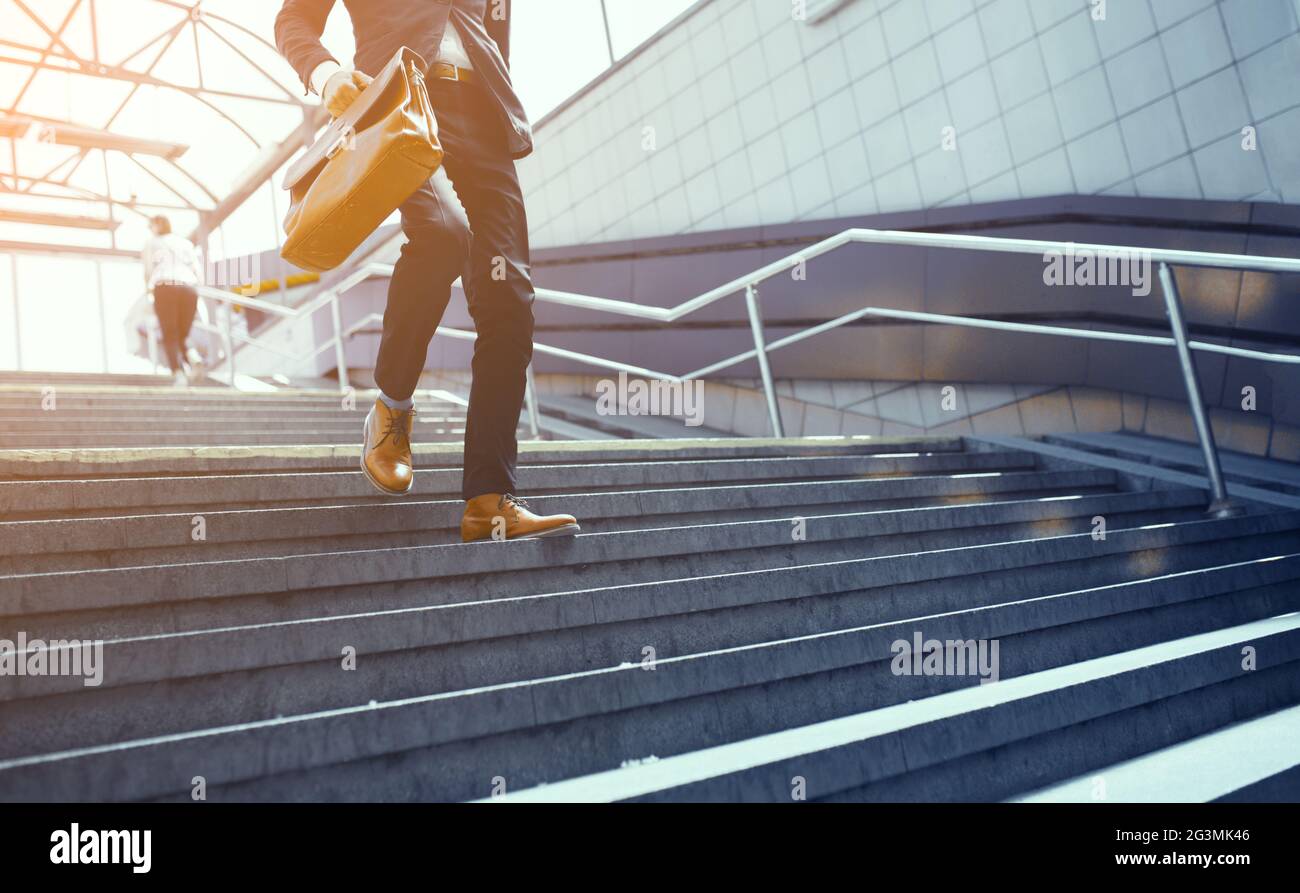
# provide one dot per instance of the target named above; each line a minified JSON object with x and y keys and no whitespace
{"x":757,"y":118}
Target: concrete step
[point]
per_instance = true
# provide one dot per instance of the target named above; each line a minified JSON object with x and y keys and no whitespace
{"x":127,"y":397}
{"x":60,"y":440}
{"x":643,"y":576}
{"x":416,"y":651}
{"x":1220,"y":765}
{"x":441,"y":727}
{"x":163,"y":415}
{"x":184,"y":424}
{"x":28,"y":497}
{"x":28,"y":379}
{"x":126,"y":419}
{"x":723,"y":594}
{"x":51,"y":464}
{"x":1052,"y":453}
{"x":609,"y":559}
{"x":1131,"y":700}
{"x":563,"y":429}
{"x":583,"y":411}
{"x":542,"y":590}
{"x":600,"y":511}
{"x":726,"y":547}
{"x":1249,"y":470}
{"x":173,"y":400}
{"x":924,"y":529}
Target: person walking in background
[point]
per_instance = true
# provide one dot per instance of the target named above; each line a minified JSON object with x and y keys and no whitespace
{"x":171,"y":269}
{"x":466,"y":221}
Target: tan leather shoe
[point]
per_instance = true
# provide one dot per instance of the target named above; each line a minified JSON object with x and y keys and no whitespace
{"x":510,"y":518}
{"x":386,"y":452}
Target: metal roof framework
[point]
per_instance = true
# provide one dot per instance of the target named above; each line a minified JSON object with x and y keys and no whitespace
{"x":52,"y":164}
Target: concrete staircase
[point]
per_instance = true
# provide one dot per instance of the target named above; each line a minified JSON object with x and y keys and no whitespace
{"x":725,"y":628}
{"x":83,"y":415}
{"x":40,"y":380}
{"x":581,"y":413}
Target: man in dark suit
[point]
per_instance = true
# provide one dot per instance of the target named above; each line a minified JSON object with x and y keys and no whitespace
{"x":468,"y":220}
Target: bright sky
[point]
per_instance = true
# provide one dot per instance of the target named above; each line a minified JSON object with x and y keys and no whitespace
{"x":557,"y":47}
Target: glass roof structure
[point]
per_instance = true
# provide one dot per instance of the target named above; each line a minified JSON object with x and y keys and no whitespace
{"x":114,"y":110}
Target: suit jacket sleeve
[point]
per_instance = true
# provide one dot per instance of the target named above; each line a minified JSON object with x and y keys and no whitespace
{"x":298,"y":28}
{"x":499,"y":28}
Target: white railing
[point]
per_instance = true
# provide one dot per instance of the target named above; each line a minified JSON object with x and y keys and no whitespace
{"x":327,"y":298}
{"x":1163,"y":259}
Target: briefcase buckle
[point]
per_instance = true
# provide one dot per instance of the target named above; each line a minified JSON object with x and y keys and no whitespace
{"x":338,"y":145}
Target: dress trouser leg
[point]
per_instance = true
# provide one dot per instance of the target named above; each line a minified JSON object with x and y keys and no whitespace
{"x":499,"y":292}
{"x":467,"y":221}
{"x":435,"y":253}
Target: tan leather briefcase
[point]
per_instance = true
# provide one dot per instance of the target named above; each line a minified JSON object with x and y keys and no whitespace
{"x":366,"y":163}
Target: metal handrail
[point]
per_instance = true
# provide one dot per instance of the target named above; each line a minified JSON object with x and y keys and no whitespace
{"x":748,"y":284}
{"x":919,"y":240}
{"x":328,"y":298}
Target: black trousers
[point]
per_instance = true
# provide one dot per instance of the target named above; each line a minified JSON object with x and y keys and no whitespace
{"x":175,"y":306}
{"x":467,"y":221}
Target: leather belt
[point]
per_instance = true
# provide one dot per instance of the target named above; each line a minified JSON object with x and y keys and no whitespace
{"x":448,"y":72}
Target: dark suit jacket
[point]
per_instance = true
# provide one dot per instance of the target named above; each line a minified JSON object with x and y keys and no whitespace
{"x":382,"y":27}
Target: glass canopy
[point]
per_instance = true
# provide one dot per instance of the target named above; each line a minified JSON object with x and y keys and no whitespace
{"x":113,"y":110}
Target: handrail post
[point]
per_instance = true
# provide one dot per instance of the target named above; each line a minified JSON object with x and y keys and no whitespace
{"x":760,"y":352}
{"x":18,"y":323}
{"x":103,"y":315}
{"x":226,"y":324}
{"x":340,"y":355}
{"x":1220,"y":504}
{"x":150,"y":340}
{"x":530,"y":392}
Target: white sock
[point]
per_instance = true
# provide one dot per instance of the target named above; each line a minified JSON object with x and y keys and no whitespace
{"x":396,"y":404}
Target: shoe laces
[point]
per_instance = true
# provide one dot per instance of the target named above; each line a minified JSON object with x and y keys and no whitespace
{"x":399,"y":428}
{"x":513,"y":501}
